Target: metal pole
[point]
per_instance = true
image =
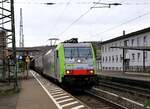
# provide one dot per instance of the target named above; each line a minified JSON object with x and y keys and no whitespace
{"x":123,"y":61}
{"x":21,"y":40}
{"x":143,"y":61}
{"x":2,"y":40}
{"x":14,"y":43}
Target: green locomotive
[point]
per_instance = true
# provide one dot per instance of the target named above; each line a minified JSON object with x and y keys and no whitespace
{"x":71,"y":64}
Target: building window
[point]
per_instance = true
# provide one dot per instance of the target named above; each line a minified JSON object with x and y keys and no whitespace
{"x":133,"y":56}
{"x":105,"y":48}
{"x":106,"y":58}
{"x":112,"y":46}
{"x":116,"y":68}
{"x":145,"y":40}
{"x":108,"y":49}
{"x":116,"y":58}
{"x":138,"y":57}
{"x":146,"y":55}
{"x":116,"y":45}
{"x":103,"y":59}
{"x":121,"y":58}
{"x":126,"y":42}
{"x":138,"y":41}
{"x":112,"y":58}
{"x":109,"y":58}
{"x":132,"y":42}
{"x":120,"y":44}
{"x":102,"y":49}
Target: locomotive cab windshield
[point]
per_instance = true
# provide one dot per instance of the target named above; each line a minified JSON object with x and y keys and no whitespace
{"x":78,"y":52}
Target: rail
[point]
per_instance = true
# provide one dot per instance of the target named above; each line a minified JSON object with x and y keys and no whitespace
{"x":121,"y":102}
{"x":94,"y":92}
{"x":126,"y":88}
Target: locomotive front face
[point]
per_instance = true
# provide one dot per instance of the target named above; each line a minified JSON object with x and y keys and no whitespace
{"x":78,"y":59}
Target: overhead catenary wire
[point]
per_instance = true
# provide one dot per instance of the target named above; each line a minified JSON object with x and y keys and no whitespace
{"x":76,"y":20}
{"x":126,"y":22}
{"x":82,"y":15}
{"x":34,"y":3}
{"x":143,"y":3}
{"x":49,"y":3}
{"x":77,"y":3}
{"x":130,"y":20}
{"x":68,"y":3}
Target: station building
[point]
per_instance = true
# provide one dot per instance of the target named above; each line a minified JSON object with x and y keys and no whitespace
{"x":129,"y":52}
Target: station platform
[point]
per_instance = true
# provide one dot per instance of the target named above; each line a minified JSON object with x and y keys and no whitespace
{"x":145,"y":77}
{"x":32,"y":96}
{"x":39,"y":93}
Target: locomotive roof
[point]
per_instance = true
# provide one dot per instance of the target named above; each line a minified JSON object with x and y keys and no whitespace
{"x":77,"y":44}
{"x":74,"y":45}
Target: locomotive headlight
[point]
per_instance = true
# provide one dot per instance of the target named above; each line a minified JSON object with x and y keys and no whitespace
{"x":78,"y":60}
{"x":91,"y":71}
{"x":67,"y":72}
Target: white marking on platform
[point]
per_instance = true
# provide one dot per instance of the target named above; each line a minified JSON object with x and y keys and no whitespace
{"x":59,"y":94}
{"x":78,"y":107}
{"x":56,"y":91}
{"x":58,"y":106}
{"x":68,"y":104}
{"x":36,"y":74}
{"x":61,"y":97}
{"x":69,"y":99}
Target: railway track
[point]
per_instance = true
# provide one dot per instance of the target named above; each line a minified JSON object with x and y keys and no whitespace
{"x":126,"y":87}
{"x":97,"y":98}
{"x":134,"y":93}
{"x":128,"y":96}
{"x":94,"y":101}
{"x":118,"y":99}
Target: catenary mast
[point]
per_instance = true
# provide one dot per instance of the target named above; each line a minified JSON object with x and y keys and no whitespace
{"x":21,"y":40}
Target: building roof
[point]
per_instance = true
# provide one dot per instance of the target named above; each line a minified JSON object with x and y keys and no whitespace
{"x":146,"y":48}
{"x":127,"y":35}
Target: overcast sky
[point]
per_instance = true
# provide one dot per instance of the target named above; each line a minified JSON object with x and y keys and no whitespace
{"x":62,"y":20}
